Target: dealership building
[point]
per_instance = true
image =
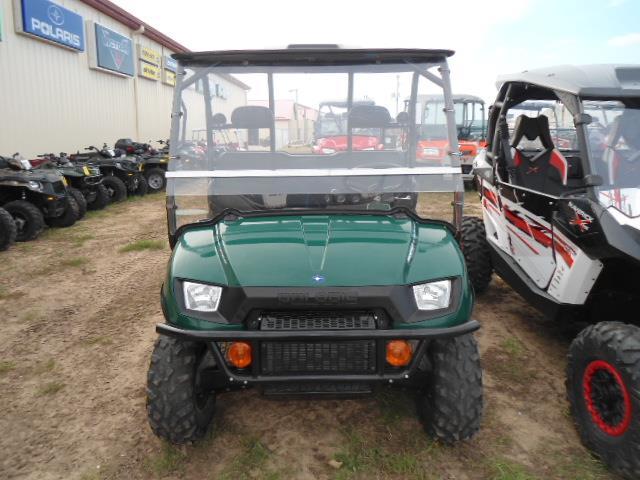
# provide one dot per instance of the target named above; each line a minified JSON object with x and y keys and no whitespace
{"x":75,"y":73}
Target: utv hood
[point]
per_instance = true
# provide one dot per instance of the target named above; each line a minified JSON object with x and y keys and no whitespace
{"x":304,"y":251}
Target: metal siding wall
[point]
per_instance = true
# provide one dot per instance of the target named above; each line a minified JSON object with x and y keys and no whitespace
{"x":51,"y":100}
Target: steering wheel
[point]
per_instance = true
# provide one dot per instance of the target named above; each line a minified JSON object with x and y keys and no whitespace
{"x":378,"y":186}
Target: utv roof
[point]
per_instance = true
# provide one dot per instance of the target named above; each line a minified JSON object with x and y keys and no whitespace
{"x":582,"y":80}
{"x":457,"y":97}
{"x":312,"y":55}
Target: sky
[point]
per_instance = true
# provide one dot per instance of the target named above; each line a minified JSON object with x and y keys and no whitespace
{"x":490,"y":37}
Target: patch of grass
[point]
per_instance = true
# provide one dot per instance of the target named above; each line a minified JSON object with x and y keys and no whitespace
{"x":250,"y":460}
{"x":169,"y":460}
{"x":79,"y":240}
{"x":45,"y":367}
{"x":513,"y":347}
{"x":74,"y":262}
{"x":394,"y":405}
{"x":140,"y":245}
{"x":50,"y":388}
{"x":105,"y":212}
{"x":504,"y":469}
{"x":6,"y":367}
{"x":359,"y":457}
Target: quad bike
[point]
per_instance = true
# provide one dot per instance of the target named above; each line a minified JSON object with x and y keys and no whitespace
{"x":121,"y":175}
{"x":290,"y":282}
{"x":8,"y":230}
{"x":560,"y":192}
{"x":153,"y":162}
{"x":84,"y":182}
{"x":35,"y":198}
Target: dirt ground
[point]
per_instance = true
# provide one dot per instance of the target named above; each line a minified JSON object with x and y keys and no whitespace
{"x":78,"y":313}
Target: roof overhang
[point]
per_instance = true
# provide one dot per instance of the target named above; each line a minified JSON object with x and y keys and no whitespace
{"x":313,"y":56}
{"x":587,"y":81}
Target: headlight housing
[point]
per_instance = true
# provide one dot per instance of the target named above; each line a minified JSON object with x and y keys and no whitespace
{"x":199,"y":297}
{"x":37,"y":186}
{"x":433,"y":295}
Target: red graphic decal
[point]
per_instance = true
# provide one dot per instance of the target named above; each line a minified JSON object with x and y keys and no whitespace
{"x":563,"y":251}
{"x":534,"y":169}
{"x":524,"y":241}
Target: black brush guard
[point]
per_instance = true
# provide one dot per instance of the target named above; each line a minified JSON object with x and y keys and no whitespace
{"x":381,"y":372}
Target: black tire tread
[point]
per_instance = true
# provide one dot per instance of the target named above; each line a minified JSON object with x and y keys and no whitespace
{"x":101,"y":200}
{"x":36,"y":220}
{"x":619,"y":344}
{"x":451,"y":405}
{"x":80,"y":200}
{"x":120,"y":189}
{"x":170,"y":408}
{"x":143,"y":186}
{"x":153,"y":171}
{"x":69,"y":217}
{"x":476,"y":253}
{"x":8,"y":230}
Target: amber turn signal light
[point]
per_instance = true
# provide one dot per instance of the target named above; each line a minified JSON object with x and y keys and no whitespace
{"x":239,"y":354}
{"x":399,"y":353}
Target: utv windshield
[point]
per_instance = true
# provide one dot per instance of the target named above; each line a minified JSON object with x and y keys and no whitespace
{"x":614,"y":143}
{"x":261,"y":127}
{"x":469,"y":118}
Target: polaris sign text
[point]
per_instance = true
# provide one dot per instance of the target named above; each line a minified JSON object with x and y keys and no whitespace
{"x":52,"y":22}
{"x":115,"y":51}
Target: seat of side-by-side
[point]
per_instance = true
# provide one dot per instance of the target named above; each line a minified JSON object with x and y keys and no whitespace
{"x":544,"y":170}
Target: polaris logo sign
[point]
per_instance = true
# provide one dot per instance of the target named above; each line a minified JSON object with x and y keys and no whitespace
{"x":114,"y":51}
{"x":52,"y":22}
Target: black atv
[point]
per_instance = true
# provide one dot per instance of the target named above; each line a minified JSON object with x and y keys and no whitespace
{"x":84,"y":180}
{"x":8,"y":230}
{"x":154,"y":162}
{"x":34,"y":198}
{"x":121,"y":175}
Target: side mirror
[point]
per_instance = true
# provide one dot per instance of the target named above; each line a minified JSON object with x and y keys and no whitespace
{"x":592,"y":180}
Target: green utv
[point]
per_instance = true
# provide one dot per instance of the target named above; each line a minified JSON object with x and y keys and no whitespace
{"x":35,"y":198}
{"x":306,"y":273}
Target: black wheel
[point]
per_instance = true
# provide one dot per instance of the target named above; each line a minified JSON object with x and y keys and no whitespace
{"x":155,"y":179}
{"x":102,"y":198}
{"x":116,"y":189}
{"x":8,"y":230}
{"x":69,"y":217}
{"x":603,"y":381}
{"x":178,"y":407}
{"x":80,"y":200}
{"x":477,"y":255}
{"x":141,"y":185}
{"x":28,"y":218}
{"x":451,"y":404}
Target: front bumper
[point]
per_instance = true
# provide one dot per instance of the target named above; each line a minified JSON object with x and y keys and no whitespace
{"x":255,"y":375}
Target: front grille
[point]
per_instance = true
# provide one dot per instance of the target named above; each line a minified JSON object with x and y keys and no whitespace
{"x":318,"y":388}
{"x":326,"y":357}
{"x":467,"y":168}
{"x":317,"y":320}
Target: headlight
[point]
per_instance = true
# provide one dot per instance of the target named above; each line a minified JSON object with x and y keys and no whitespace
{"x":35,"y":186}
{"x":328,"y":151}
{"x":432,"y":152}
{"x":201,"y":298}
{"x":118,"y":165}
{"x":433,"y":295}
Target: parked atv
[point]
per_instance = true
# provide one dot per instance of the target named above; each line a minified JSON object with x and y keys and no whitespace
{"x":154,"y":163}
{"x":305,"y":277}
{"x":560,"y":193}
{"x":121,"y":175}
{"x":34,"y":198}
{"x":8,"y":230}
{"x":84,"y":181}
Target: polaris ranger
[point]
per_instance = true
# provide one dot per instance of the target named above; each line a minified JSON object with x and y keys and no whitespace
{"x":301,"y":274}
{"x":560,"y":193}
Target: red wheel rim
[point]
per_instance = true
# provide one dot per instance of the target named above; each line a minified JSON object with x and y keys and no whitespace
{"x":607,"y":398}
